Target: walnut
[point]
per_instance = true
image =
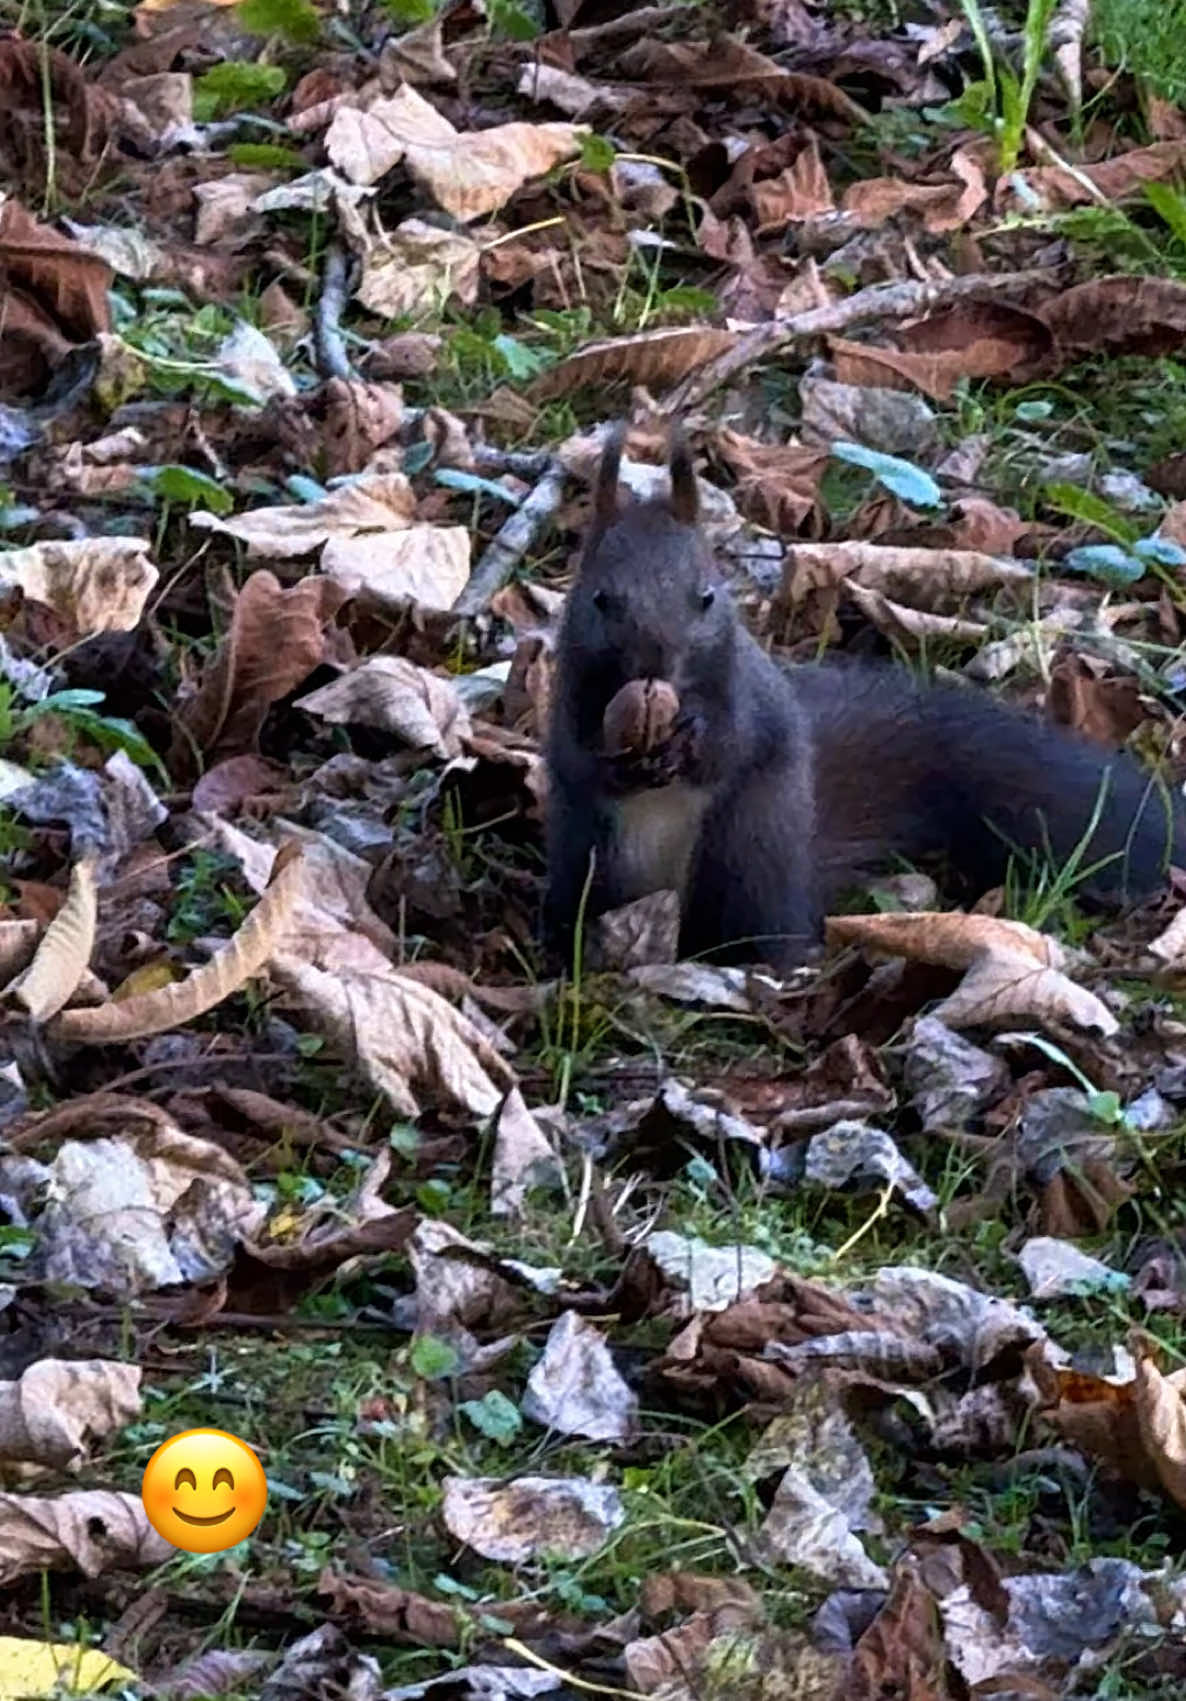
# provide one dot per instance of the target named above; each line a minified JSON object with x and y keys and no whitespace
{"x":640,"y":718}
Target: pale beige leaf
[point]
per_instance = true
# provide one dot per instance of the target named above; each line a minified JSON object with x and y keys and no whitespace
{"x":896,"y":620}
{"x":947,"y":937}
{"x":393,"y":693}
{"x":46,"y":985}
{"x":425,"y":565}
{"x":419,"y":266}
{"x":1161,"y":1416}
{"x":1005,"y":989}
{"x":1170,"y":944}
{"x":169,"y":1007}
{"x":379,"y":502}
{"x":1067,"y":29}
{"x":1011,"y":971}
{"x":651,"y":358}
{"x":514,"y":1521}
{"x":224,"y":204}
{"x":922,"y":578}
{"x":57,"y":1406}
{"x":93,"y":1531}
{"x":468,"y":173}
{"x":94,"y":584}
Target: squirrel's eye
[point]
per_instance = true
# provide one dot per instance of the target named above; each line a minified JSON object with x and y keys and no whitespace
{"x":601,"y":601}
{"x":707,"y":598}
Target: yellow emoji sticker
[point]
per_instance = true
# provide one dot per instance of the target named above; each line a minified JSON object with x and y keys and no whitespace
{"x":204,"y":1490}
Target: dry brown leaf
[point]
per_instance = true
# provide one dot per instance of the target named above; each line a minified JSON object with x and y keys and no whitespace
{"x":1067,"y":29}
{"x":239,"y":961}
{"x":47,"y":985}
{"x":1049,"y":188}
{"x":1106,"y":708}
{"x":276,"y":639}
{"x":427,"y":566}
{"x":943,"y":206}
{"x":1010,"y":970}
{"x":358,"y":418}
{"x":53,"y":292}
{"x":378,"y":502}
{"x":977,"y":339}
{"x":1170,"y":943}
{"x":54,"y":1409}
{"x":467,"y":172}
{"x":732,"y":64}
{"x":93,"y":584}
{"x":650,"y":358}
{"x":800,"y":191}
{"x":902,"y":1652}
{"x":777,"y":484}
{"x":92,"y":1531}
{"x":418,"y":265}
{"x":1124,"y":315}
{"x":393,"y":693}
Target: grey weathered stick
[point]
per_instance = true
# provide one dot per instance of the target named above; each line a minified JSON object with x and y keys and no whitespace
{"x":512,"y":541}
{"x":332,"y":359}
{"x":880,"y":301}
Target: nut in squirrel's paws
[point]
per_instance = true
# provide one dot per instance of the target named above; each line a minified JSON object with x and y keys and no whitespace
{"x":640,"y":718}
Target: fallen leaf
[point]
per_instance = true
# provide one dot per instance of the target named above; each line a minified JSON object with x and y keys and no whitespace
{"x":377,"y":502}
{"x":426,"y":566}
{"x":420,"y":707}
{"x":942,"y":206}
{"x":52,"y":1412}
{"x":1010,"y":970}
{"x":276,"y":638}
{"x":800,"y":191}
{"x":778,"y":484}
{"x":93,"y":1531}
{"x":1051,"y":187}
{"x":94,"y":584}
{"x":418,"y":263}
{"x":47,"y":985}
{"x":975,"y":340}
{"x":205,"y":987}
{"x":650,"y":358}
{"x":1124,"y":315}
{"x":516,"y":1521}
{"x":468,"y":173}
{"x":576,"y":1389}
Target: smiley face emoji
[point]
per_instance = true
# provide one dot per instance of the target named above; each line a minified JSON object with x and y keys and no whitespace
{"x":204,"y":1490}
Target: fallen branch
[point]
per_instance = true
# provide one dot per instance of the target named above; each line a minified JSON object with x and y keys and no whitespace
{"x":880,"y":301}
{"x":329,"y":343}
{"x":512,"y":541}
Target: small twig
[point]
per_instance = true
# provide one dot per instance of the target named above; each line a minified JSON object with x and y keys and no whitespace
{"x":329,"y":344}
{"x":879,"y":301}
{"x":512,"y":541}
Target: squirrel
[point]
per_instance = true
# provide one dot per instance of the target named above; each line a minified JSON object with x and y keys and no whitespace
{"x":789,"y":783}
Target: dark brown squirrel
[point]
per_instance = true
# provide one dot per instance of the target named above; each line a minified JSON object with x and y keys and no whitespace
{"x":793,"y":782}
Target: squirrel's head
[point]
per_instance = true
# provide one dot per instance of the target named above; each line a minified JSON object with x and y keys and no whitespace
{"x":649,"y":600}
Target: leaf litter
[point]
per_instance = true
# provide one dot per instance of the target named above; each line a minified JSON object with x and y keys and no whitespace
{"x":684,"y":1331}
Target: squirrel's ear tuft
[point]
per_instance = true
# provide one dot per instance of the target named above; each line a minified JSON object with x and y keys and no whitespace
{"x":685,"y":498}
{"x":605,"y":490}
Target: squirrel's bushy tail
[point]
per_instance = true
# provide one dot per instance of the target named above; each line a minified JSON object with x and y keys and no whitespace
{"x":911,"y":770}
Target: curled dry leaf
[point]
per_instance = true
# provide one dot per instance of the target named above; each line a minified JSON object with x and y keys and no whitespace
{"x":93,"y":584}
{"x":932,"y":579}
{"x":513,"y":1522}
{"x":1124,"y":315}
{"x":986,"y":339}
{"x":468,"y":172}
{"x":93,"y":1532}
{"x":56,"y":1406}
{"x":46,"y":986}
{"x":941,"y":206}
{"x":651,"y":358}
{"x":382,"y":502}
{"x":732,"y":64}
{"x":1161,"y":1415}
{"x":427,"y":566}
{"x":277,"y":637}
{"x":778,"y":484}
{"x":1010,"y":970}
{"x":392,"y":693}
{"x":171,"y":1006}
